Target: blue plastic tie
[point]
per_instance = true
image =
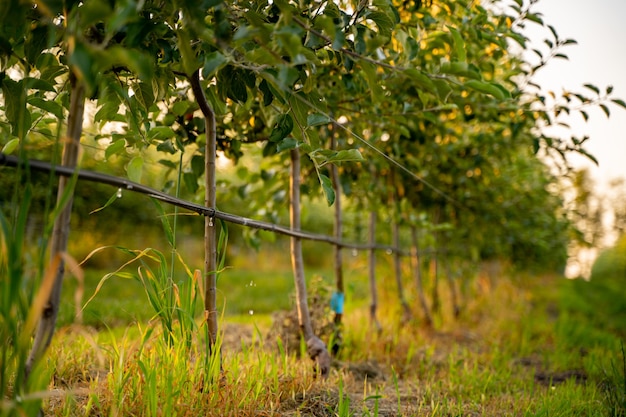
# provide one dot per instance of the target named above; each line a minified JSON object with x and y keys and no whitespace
{"x":336,"y":302}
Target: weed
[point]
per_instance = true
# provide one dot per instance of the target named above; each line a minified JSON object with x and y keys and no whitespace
{"x":614,"y":386}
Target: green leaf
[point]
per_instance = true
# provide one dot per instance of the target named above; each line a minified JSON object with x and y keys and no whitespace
{"x":443,"y":89}
{"x":213,"y":62}
{"x":219,"y":107}
{"x":286,"y":144}
{"x":373,"y":80}
{"x":459,"y":44}
{"x":459,"y":68}
{"x":585,"y":115}
{"x":592,"y":88}
{"x":135,"y":168}
{"x":338,"y":40}
{"x":93,"y":12}
{"x":197,"y":165}
{"x":38,"y":84}
{"x":619,"y":102}
{"x":325,"y":156}
{"x":317,"y":119}
{"x":268,"y":97}
{"x":485,"y":88}
{"x":287,"y":77}
{"x":167,"y":227}
{"x":383,"y":22}
{"x":82,"y":59}
{"x":186,"y":52}
{"x":282,"y":128}
{"x":144,"y":94}
{"x":166,"y":146}
{"x":36,"y":42}
{"x":605,"y":109}
{"x":535,"y":17}
{"x":161,"y":133}
{"x":15,"y":106}
{"x":422,"y":80}
{"x":348,"y":155}
{"x":168,"y":163}
{"x":110,"y":201}
{"x":327,"y":187}
{"x":10,"y":146}
{"x":115,"y":148}
{"x":46,"y":105}
{"x":135,"y":60}
{"x":191,"y":181}
{"x":180,"y":107}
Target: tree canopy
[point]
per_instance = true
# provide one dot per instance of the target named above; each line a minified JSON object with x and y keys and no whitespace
{"x":435,"y":98}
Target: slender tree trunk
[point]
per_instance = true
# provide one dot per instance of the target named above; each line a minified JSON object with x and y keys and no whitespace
{"x":337,"y":301}
{"x":397,"y":267}
{"x":316,"y":348}
{"x":210,"y":226}
{"x":61,"y":229}
{"x":418,"y":277}
{"x":456,"y":309}
{"x":436,"y":306}
{"x":372,"y":272}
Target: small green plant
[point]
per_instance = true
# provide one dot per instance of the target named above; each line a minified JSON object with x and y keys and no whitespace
{"x":343,"y":407}
{"x":20,"y":307}
{"x":615,"y":387}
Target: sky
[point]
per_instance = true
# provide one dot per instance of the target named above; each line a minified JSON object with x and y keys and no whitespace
{"x":599,"y":58}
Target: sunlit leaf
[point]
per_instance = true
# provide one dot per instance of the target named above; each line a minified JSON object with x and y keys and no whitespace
{"x":486,"y":88}
{"x":134,"y":169}
{"x":459,"y":44}
{"x":115,"y":148}
{"x":161,"y":132}
{"x":10,"y":146}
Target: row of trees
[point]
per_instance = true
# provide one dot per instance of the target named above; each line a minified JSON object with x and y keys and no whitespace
{"x":423,"y":111}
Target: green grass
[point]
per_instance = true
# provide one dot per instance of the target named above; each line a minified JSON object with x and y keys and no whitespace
{"x":531,"y":345}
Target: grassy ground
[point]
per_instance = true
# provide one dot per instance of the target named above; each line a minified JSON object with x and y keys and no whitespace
{"x":526,"y":345}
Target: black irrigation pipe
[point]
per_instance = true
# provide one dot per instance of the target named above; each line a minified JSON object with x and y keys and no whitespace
{"x":12,"y":161}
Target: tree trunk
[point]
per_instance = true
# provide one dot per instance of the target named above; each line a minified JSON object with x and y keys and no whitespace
{"x":316,"y":348}
{"x":435,"y":290}
{"x":418,"y":277}
{"x":456,"y":309}
{"x":397,"y":267}
{"x":210,"y":227}
{"x":337,"y":300}
{"x":436,"y":306}
{"x":372,"y":272}
{"x":61,"y":229}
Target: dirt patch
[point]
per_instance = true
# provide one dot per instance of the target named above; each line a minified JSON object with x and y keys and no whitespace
{"x":551,"y":379}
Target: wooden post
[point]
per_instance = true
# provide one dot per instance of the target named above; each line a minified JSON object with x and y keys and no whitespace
{"x":210,"y":226}
{"x":316,"y":348}
{"x":61,"y":229}
{"x":418,"y":277}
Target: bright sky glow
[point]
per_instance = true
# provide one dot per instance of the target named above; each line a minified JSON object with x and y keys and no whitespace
{"x":599,"y":59}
